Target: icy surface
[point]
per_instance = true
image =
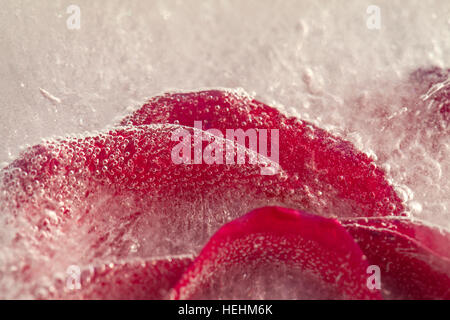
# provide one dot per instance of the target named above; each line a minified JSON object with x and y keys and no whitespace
{"x":316,"y":60}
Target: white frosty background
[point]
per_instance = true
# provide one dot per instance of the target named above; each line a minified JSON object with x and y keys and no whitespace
{"x":316,"y":58}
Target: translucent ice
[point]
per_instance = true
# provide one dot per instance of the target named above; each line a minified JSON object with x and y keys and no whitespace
{"x":317,"y":61}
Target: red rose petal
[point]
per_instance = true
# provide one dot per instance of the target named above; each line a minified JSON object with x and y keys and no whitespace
{"x":119,"y":196}
{"x":119,"y":176}
{"x":127,"y":281}
{"x":278,"y":253}
{"x":338,"y":179}
{"x":414,"y":259}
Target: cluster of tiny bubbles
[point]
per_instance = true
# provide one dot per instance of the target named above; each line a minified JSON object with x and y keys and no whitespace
{"x":65,"y":197}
